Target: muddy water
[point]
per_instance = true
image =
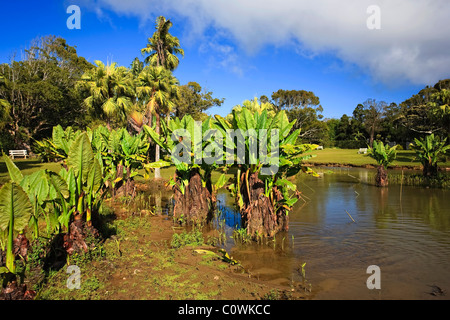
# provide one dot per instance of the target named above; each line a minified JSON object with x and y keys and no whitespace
{"x":405,"y":231}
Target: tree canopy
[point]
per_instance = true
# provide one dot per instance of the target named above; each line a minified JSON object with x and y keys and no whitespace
{"x":36,"y":91}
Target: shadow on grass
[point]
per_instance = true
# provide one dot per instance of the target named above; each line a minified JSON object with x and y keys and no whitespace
{"x":27,"y":166}
{"x":406,"y":157}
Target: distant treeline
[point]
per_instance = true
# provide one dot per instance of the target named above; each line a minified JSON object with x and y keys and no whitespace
{"x":52,"y":85}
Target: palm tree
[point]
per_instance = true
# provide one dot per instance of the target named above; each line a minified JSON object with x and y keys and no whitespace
{"x":136,"y":67}
{"x":110,"y":91}
{"x":162,"y":47}
{"x":158,"y":89}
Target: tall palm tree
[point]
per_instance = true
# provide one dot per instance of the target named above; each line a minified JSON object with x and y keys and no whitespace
{"x":162,"y":47}
{"x":110,"y":91}
{"x":158,"y":89}
{"x":136,"y":67}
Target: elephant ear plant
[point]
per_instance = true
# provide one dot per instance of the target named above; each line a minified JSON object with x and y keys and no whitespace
{"x":122,"y":155}
{"x":384,"y":156}
{"x":84,"y":181}
{"x":56,"y":147}
{"x":191,"y":146}
{"x":15,"y":212}
{"x":428,"y":150}
{"x":263,"y":193}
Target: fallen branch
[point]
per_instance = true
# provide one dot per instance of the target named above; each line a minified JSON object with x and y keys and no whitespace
{"x":350,"y":216}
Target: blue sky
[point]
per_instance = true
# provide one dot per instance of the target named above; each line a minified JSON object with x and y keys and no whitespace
{"x":237,"y":52}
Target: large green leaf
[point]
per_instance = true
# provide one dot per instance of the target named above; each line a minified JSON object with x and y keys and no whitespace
{"x":261,"y":120}
{"x":167,"y":146}
{"x":58,"y":183}
{"x":157,"y":164}
{"x":59,"y":138}
{"x":245,"y":120}
{"x":38,"y":186}
{"x":223,"y":179}
{"x":188,"y":123}
{"x":81,"y":156}
{"x":14,"y":172}
{"x":224,"y":124}
{"x":95,"y":177}
{"x":14,"y":204}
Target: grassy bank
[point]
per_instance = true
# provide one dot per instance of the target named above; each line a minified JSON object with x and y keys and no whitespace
{"x":325,"y":157}
{"x":350,"y":157}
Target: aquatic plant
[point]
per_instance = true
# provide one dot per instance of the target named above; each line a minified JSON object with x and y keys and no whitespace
{"x":263,"y":193}
{"x":428,"y":150}
{"x":384,"y":156}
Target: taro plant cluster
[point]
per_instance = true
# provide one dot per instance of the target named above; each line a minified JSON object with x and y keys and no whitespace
{"x":66,"y":201}
{"x":194,"y":193}
{"x":95,"y":163}
{"x":263,"y":193}
{"x":119,"y":153}
{"x":263,"y":152}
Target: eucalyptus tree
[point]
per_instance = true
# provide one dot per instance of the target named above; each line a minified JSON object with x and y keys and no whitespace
{"x":158,"y":89}
{"x":427,"y":112}
{"x":303,"y":106}
{"x":195,"y":100}
{"x":162,"y":48}
{"x":110,"y":92}
{"x":373,"y":112}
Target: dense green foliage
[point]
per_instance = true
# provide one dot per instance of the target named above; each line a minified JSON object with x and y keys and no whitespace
{"x":36,"y":91}
{"x":429,"y":150}
{"x":383,"y":154}
{"x":424,"y":113}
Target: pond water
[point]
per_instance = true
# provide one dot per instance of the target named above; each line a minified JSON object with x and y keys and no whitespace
{"x":405,"y":231}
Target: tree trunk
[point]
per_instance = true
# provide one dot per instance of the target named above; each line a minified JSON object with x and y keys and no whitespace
{"x":157,"y":148}
{"x":75,"y":238}
{"x":429,"y":169}
{"x":372,"y":136}
{"x":258,"y":214}
{"x":196,"y":205}
{"x":119,"y":186}
{"x":381,"y":179}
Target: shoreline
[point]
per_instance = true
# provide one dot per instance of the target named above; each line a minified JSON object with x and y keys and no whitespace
{"x":368,"y":166}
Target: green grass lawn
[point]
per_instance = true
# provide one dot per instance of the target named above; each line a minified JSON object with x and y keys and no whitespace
{"x":352,"y":158}
{"x":327,"y":156}
{"x":28,"y":166}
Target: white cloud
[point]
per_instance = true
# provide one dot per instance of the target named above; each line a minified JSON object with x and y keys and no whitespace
{"x":412,"y":45}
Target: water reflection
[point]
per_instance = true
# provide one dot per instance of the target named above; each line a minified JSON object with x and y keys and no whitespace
{"x":408,"y":236}
{"x":404,"y":230}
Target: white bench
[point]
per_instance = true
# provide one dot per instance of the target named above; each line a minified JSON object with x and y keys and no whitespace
{"x":319,"y":148}
{"x":362,"y":150}
{"x":20,"y":153}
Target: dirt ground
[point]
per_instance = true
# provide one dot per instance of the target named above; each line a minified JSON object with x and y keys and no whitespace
{"x":138,"y":262}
